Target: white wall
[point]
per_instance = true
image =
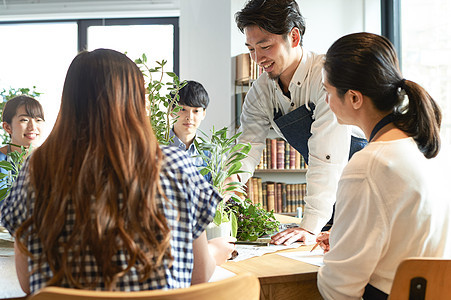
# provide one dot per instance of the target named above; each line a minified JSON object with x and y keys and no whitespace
{"x":209,"y":38}
{"x":205,"y":55}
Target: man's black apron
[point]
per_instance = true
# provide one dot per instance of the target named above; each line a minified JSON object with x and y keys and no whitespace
{"x":296,"y":128}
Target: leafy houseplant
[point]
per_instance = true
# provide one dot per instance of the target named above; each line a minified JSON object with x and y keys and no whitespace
{"x":253,"y":221}
{"x":13,"y":166}
{"x":161,"y":105}
{"x":225,"y":158}
{"x":223,"y":162}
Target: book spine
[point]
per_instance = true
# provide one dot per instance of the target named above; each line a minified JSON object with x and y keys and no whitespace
{"x":279,"y":197}
{"x":270,"y":195}
{"x":259,"y":191}
{"x":298,"y":158}
{"x":255,"y":189}
{"x":292,"y":157}
{"x":287,"y":155}
{"x":243,"y":67}
{"x":268,"y":154}
{"x":273,"y":154}
{"x":288,"y":205}
{"x":284,"y":198}
{"x":280,"y":154}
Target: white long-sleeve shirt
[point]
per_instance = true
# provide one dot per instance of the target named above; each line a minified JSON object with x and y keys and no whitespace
{"x":328,"y":146}
{"x":392,"y":203}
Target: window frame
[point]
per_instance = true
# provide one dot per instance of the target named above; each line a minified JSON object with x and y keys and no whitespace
{"x":83,"y":24}
{"x":391,"y":24}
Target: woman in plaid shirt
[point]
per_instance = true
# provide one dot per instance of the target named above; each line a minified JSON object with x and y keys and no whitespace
{"x":100,"y":205}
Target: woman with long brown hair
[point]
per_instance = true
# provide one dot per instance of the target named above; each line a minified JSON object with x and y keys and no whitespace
{"x":100,"y":205}
{"x":392,"y":200}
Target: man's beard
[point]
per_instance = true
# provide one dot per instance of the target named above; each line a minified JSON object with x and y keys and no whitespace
{"x":274,"y":76}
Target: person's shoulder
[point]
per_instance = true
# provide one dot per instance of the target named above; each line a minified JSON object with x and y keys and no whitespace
{"x":3,"y":151}
{"x":383,"y":157}
{"x":312,"y":55}
{"x":315,"y":60}
{"x":174,"y":155}
{"x":262,"y":83}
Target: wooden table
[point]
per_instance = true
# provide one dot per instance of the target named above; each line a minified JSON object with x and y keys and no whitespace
{"x":281,"y":278}
{"x":9,"y":284}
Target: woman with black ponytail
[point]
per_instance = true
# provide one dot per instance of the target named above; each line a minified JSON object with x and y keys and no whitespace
{"x":393,"y":201}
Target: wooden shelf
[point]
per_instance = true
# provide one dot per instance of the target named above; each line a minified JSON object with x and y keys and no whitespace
{"x":279,"y":171}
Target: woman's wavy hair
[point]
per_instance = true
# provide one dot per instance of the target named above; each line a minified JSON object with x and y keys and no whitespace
{"x":368,"y":63}
{"x":102,"y":161}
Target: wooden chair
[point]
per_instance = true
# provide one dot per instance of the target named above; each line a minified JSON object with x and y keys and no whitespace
{"x":240,"y":287}
{"x":422,"y":278}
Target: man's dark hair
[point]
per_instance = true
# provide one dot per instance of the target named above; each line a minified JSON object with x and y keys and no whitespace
{"x":193,"y":94}
{"x":274,"y":16}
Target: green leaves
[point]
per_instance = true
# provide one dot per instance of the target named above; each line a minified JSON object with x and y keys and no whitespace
{"x":252,"y":220}
{"x":162,"y":97}
{"x":13,"y":166}
{"x":224,"y":161}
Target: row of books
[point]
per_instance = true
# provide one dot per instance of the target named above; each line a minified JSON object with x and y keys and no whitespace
{"x":278,"y":154}
{"x":276,"y":196}
{"x":246,"y":69}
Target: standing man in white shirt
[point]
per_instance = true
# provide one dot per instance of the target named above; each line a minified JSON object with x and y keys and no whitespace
{"x":290,"y":98}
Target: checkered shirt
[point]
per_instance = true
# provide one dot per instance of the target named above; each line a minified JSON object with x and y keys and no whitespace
{"x":194,"y":206}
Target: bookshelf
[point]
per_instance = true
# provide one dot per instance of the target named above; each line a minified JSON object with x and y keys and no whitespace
{"x":279,"y":180}
{"x":246,"y":72}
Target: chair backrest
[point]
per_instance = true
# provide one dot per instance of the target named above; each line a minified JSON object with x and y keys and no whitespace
{"x":422,"y":278}
{"x":240,"y":287}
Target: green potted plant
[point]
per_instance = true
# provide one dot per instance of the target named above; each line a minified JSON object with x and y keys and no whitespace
{"x":224,"y":161}
{"x":253,"y":221}
{"x":162,"y":97}
{"x":13,"y":166}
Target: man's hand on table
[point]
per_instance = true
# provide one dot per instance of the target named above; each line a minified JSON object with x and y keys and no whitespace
{"x":291,"y":235}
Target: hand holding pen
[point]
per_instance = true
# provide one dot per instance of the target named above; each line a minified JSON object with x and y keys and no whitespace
{"x":322,"y":240}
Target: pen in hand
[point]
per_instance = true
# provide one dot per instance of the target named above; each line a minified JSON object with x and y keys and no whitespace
{"x":317,"y":244}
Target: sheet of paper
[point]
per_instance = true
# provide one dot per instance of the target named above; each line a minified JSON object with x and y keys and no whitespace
{"x":249,"y":251}
{"x":314,"y":258}
{"x":220,"y":274}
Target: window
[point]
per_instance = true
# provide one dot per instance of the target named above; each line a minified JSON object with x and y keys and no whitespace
{"x":426,"y":45}
{"x":39,"y":53}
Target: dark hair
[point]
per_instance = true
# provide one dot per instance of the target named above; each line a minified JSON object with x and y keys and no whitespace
{"x":32,"y":107}
{"x":367,"y":63}
{"x":274,"y":16}
{"x":194,"y":94}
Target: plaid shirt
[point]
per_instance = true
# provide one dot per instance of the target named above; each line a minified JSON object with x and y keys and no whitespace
{"x":194,"y":206}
